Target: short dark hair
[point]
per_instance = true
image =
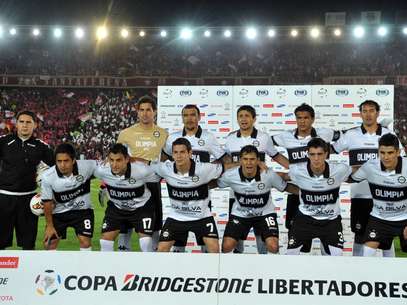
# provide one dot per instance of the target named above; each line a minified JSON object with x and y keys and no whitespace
{"x":306,"y":108}
{"x":191,"y":106}
{"x":146,"y":99}
{"x":316,"y":143}
{"x":247,"y":108}
{"x":389,"y":139}
{"x":119,"y":148}
{"x":66,"y":148}
{"x":371,"y":103}
{"x":182,"y":141}
{"x":248,"y":149}
{"x":27,"y":112}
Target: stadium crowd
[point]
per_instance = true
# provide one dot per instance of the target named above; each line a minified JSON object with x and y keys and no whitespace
{"x":286,"y":62}
{"x":93,"y":118}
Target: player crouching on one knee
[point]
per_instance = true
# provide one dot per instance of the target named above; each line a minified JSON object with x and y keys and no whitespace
{"x":130,"y":203}
{"x":253,"y":207}
{"x":65,"y":192}
{"x":319,"y":210}
{"x":188,"y":191}
{"x":387,"y":178}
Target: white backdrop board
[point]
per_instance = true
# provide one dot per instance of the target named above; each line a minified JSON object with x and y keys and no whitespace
{"x":336,"y":107}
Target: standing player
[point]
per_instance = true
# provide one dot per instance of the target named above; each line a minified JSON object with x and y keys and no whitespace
{"x":65,"y":192}
{"x":20,"y":154}
{"x":253,"y":206}
{"x":129,"y":202}
{"x":319,"y":209}
{"x":362,"y":144}
{"x":187,"y":183}
{"x":388,"y":185}
{"x":249,"y":135}
{"x":145,"y":140}
{"x":205,"y":148}
{"x":295,"y":142}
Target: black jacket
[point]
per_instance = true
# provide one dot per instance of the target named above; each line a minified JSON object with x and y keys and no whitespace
{"x":19,"y":160}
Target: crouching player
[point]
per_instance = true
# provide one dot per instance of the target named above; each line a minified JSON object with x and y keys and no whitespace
{"x":319,"y":210}
{"x":253,"y":207}
{"x":387,"y":178}
{"x":129,"y":202}
{"x":188,"y":190}
{"x":65,"y":192}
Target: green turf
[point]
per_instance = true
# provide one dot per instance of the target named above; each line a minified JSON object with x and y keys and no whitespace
{"x":71,"y":242}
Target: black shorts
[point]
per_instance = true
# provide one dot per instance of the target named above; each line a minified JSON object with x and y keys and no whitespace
{"x":141,"y":219}
{"x":199,"y":241}
{"x":15,"y":213}
{"x":238,"y":227}
{"x":81,"y":220}
{"x":359,"y":215}
{"x":306,"y":228}
{"x":293,"y":202}
{"x":155,"y":190}
{"x":175,"y":229}
{"x":384,"y":231}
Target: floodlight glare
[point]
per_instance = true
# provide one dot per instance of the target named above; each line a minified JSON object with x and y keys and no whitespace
{"x":13,"y":31}
{"x":57,"y":33}
{"x":251,"y":33}
{"x":186,"y":34}
{"x":405,"y":30}
{"x":227,"y":33}
{"x":382,"y":31}
{"x":124,"y":33}
{"x":207,"y":33}
{"x":163,"y":33}
{"x":1,"y":31}
{"x":142,"y":33}
{"x":337,"y":32}
{"x":315,"y":33}
{"x":359,"y":32}
{"x":294,"y":33}
{"x":36,"y":32}
{"x":79,"y":33}
{"x":101,"y":33}
{"x":271,"y":33}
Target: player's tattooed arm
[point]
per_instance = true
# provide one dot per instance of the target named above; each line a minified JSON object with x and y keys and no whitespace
{"x":280,"y":159}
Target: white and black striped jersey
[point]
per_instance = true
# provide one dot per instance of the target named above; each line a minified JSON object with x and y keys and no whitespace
{"x":235,"y":141}
{"x":296,"y":146}
{"x":205,"y":147}
{"x":388,"y":188}
{"x":253,"y":196}
{"x":127,"y":192}
{"x":69,"y":193}
{"x":319,"y":195}
{"x":362,"y":146}
{"x":188,"y":193}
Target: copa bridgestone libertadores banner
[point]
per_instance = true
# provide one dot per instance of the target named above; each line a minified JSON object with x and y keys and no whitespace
{"x":106,"y":278}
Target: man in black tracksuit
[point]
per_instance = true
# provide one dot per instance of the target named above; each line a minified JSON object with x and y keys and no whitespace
{"x":20,"y":154}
